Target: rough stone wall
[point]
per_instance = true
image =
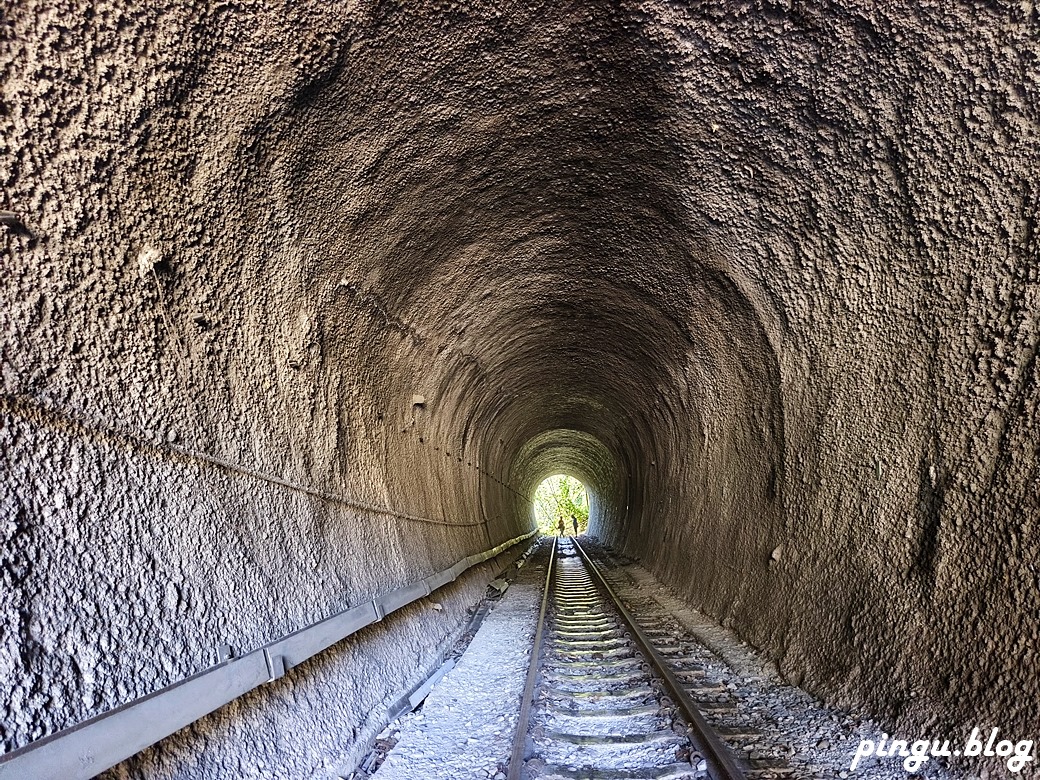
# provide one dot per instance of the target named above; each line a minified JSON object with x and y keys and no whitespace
{"x":765,"y":275}
{"x":207,"y":436}
{"x":868,"y":171}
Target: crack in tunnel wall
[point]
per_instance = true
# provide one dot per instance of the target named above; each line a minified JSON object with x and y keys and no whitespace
{"x":763,"y":275}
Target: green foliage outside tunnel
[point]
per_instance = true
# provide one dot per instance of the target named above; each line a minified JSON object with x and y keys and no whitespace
{"x":561,"y":497}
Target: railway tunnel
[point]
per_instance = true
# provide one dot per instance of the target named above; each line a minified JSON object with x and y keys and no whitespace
{"x":301,"y":303}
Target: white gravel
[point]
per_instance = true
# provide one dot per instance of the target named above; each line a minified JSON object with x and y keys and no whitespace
{"x":820,"y":740}
{"x":465,"y":729}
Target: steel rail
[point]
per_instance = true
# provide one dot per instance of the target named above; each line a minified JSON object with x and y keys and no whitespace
{"x":516,"y":760}
{"x":721,"y":763}
{"x":99,"y":743}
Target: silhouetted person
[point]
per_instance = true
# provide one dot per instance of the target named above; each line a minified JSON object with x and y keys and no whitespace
{"x":560,"y":526}
{"x":574,"y":522}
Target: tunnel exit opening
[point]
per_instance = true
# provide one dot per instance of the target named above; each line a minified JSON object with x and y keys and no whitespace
{"x":561,"y":506}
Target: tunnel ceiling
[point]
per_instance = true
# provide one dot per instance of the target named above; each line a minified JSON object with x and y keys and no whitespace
{"x":515,"y":184}
{"x":303,"y":302}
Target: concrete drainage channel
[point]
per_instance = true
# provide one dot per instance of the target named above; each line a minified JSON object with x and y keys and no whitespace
{"x":409,"y":710}
{"x":599,"y":710}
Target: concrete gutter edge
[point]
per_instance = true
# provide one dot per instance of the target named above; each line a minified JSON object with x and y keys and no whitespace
{"x":82,"y":751}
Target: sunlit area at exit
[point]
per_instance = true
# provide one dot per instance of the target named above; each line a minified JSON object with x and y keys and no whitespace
{"x":561,"y":506}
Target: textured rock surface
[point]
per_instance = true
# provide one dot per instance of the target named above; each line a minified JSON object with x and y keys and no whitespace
{"x":307,"y":285}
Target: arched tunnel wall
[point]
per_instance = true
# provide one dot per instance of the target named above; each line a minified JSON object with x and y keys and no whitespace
{"x":308,"y":300}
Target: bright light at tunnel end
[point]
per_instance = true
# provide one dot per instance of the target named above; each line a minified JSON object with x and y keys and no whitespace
{"x":561,"y":506}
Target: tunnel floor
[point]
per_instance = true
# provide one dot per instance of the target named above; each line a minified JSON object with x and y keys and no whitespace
{"x":465,"y":727}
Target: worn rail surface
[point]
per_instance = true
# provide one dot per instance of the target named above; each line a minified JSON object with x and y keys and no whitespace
{"x":601,"y":701}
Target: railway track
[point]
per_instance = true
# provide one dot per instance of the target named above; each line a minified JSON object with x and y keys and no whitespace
{"x":610,"y":697}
